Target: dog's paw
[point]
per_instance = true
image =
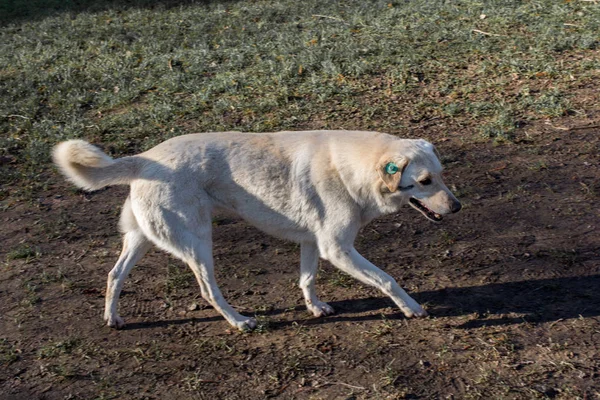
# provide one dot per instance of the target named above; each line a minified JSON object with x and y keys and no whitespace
{"x":320,"y":309}
{"x":415,"y":311}
{"x":420,"y":312}
{"x":246,"y":325}
{"x":114,"y":321}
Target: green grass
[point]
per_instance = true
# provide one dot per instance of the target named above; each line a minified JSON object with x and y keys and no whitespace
{"x":31,"y":295}
{"x":8,"y":352}
{"x":341,"y":279}
{"x":178,"y":277}
{"x":23,"y":251}
{"x":55,"y":349}
{"x":131,"y":74}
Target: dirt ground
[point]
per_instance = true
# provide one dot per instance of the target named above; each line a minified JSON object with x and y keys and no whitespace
{"x":511,"y":284}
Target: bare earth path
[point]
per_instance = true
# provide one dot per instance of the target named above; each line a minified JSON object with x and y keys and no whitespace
{"x":512,"y":285}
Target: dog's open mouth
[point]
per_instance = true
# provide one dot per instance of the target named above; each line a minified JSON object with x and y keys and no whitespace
{"x":435,"y":217}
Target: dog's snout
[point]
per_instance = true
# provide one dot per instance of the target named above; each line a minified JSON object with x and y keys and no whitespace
{"x":456,"y":206}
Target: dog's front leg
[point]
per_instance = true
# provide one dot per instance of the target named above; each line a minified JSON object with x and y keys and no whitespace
{"x":350,"y":261}
{"x":309,"y":261}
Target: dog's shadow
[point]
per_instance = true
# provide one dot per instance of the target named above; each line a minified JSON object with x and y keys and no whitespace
{"x":535,"y":301}
{"x":131,"y":326}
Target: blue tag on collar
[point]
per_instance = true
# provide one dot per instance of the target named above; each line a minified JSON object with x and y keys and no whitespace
{"x":391,"y":168}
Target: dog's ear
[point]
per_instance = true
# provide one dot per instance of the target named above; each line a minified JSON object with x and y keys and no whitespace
{"x":390,"y":171}
{"x":437,"y":153}
{"x":433,"y":148}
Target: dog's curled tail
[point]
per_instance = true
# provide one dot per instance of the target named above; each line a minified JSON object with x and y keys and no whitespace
{"x":90,"y":168}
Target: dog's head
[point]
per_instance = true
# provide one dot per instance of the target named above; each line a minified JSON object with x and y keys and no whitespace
{"x":412,"y":173}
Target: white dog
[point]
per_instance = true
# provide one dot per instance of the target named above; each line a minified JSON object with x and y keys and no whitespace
{"x":316,"y":188}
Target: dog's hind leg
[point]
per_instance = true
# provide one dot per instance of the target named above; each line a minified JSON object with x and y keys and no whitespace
{"x":135,"y":245}
{"x":185,"y":230}
{"x":201,"y":262}
{"x":190,"y":239}
{"x":309,"y":261}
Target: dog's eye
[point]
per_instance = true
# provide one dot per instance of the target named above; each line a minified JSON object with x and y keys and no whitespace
{"x":425,"y":182}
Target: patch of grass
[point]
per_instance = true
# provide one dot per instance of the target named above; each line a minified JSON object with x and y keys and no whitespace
{"x":552,"y":103}
{"x":298,"y":366}
{"x":8,"y":352}
{"x":389,"y":374}
{"x":60,"y":227}
{"x":341,"y":279}
{"x":178,"y":278}
{"x":63,"y":370}
{"x":31,"y":295}
{"x":538,"y":165}
{"x":196,"y":381}
{"x":131,"y":74}
{"x":383,"y":328}
{"x":23,"y":252}
{"x":214,"y":346}
{"x":55,"y":349}
{"x":145,"y":352}
{"x":57,"y":276}
{"x":501,"y":127}
{"x":263,"y":324}
{"x":447,"y":238}
{"x":293,"y":365}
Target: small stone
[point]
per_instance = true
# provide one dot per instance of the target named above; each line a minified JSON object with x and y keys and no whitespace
{"x":193,"y":307}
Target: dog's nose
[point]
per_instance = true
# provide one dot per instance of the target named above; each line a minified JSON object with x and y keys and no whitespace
{"x":456,"y":206}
